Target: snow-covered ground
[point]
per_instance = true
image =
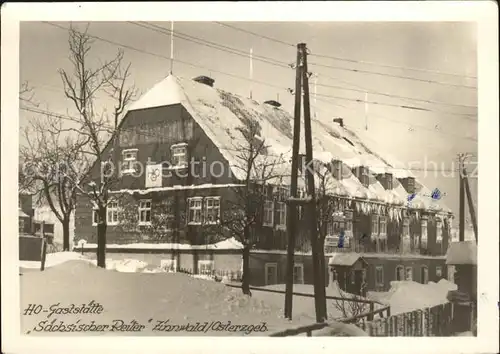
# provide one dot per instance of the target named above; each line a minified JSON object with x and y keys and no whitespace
{"x":147,"y":298}
{"x":53,"y":259}
{"x":406,"y":296}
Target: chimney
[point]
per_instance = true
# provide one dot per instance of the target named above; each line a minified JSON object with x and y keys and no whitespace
{"x":205,"y":80}
{"x":408,"y":184}
{"x":273,"y":103}
{"x":339,"y":121}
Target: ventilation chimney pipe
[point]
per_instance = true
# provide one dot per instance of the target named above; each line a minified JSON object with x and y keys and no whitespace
{"x":273,"y":103}
{"x":205,"y":80}
{"x":339,"y":121}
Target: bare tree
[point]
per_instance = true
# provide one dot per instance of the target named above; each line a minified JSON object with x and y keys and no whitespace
{"x":348,"y":307}
{"x":256,"y":168}
{"x":82,"y":85}
{"x":325,"y":208}
{"x":51,"y":163}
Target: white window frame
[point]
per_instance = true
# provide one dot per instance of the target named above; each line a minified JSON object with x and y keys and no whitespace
{"x":268,"y":219}
{"x":425,"y":271}
{"x":281,"y":211}
{"x":451,"y":273}
{"x":110,"y":210}
{"x":179,"y":155}
{"x":382,"y":231}
{"x":142,"y":207}
{"x":423,"y":233}
{"x":375,"y":221}
{"x":400,"y":273}
{"x":200,"y":209}
{"x":337,"y":166}
{"x":128,"y":162}
{"x":95,"y":216}
{"x":439,"y":271}
{"x":212,"y":207}
{"x":406,"y":273}
{"x":301,"y":277}
{"x":206,"y":262}
{"x":406,"y":227}
{"x":439,"y":231}
{"x":266,"y":271}
{"x":169,"y":264}
{"x":379,"y":270}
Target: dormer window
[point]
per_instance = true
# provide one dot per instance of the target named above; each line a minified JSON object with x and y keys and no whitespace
{"x":408,"y":184}
{"x":388,"y":181}
{"x":337,"y":169}
{"x":129,"y":158}
{"x":361,"y":173}
{"x":179,"y":155}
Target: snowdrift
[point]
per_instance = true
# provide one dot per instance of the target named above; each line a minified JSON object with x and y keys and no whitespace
{"x":406,"y":296}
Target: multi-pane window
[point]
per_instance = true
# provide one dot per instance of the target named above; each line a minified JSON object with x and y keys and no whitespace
{"x":423,"y":224}
{"x":439,"y":272}
{"x":129,"y":157}
{"x":281,"y":215}
{"x":195,"y":209}
{"x":439,"y":231}
{"x":271,"y":272}
{"x":112,"y":213}
{"x":298,"y":274}
{"x":268,"y":213}
{"x":406,"y":227}
{"x":409,"y":274}
{"x":337,"y":169}
{"x":400,"y":273}
{"x":179,"y":155}
{"x":144,"y":212}
{"x":388,"y":181}
{"x":375,"y":220}
{"x":205,"y":267}
{"x":95,"y":216}
{"x":212,"y":210}
{"x":383,"y":227}
{"x":379,"y":275}
{"x":425,"y":275}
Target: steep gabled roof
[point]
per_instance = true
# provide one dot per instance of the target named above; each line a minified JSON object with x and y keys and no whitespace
{"x":222,"y":115}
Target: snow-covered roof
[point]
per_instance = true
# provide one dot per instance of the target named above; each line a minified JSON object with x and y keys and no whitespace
{"x":224,"y":116}
{"x":462,"y":253}
{"x":22,"y":214}
{"x":346,"y":259}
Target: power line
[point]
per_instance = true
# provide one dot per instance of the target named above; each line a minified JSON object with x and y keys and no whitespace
{"x":395,"y":76}
{"x":396,"y":96}
{"x":462,"y":115}
{"x":392,"y":66}
{"x":228,"y":74}
{"x":345,"y":59}
{"x":217,"y":46}
{"x":256,"y":34}
{"x":168,"y":58}
{"x":407,"y":124}
{"x":138,"y":132}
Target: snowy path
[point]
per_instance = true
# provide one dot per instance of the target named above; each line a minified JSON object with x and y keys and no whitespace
{"x":140,"y":296}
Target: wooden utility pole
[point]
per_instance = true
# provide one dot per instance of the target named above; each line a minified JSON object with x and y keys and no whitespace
{"x":292,"y":208}
{"x":472,"y":210}
{"x":309,"y":176}
{"x":461,"y":221}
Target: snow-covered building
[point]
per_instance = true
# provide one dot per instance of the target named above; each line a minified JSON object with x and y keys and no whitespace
{"x":181,"y":147}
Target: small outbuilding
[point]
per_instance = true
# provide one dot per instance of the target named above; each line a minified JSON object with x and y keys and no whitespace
{"x":348,"y":269}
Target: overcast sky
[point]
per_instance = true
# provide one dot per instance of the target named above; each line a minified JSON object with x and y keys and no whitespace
{"x":408,"y":135}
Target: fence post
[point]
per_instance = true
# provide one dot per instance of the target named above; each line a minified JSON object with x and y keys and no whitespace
{"x":44,"y":247}
{"x":396,"y":326}
{"x":372,"y":308}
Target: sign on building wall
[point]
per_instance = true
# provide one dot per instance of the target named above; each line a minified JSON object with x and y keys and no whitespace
{"x":153,"y":176}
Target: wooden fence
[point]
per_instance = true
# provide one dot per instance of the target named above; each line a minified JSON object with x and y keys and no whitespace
{"x":433,"y":321}
{"x":216,"y":275}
